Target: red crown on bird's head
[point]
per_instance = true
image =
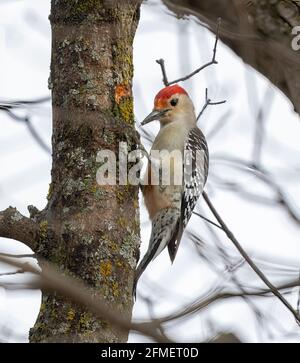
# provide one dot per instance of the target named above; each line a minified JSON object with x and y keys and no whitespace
{"x":163,"y":95}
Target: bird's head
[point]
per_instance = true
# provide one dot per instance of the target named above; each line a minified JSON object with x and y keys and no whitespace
{"x":171,"y":104}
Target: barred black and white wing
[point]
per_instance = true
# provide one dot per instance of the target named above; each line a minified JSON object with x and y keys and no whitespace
{"x":196,"y":162}
{"x":195,"y":172}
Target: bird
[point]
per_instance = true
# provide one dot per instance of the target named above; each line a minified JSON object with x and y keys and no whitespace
{"x":170,"y":205}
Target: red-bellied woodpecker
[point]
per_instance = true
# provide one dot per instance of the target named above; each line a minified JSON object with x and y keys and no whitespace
{"x":170,"y":205}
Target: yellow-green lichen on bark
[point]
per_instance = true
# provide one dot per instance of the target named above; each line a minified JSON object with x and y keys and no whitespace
{"x":105,"y":269}
{"x":126,"y":109}
{"x":49,"y":194}
{"x":43,"y":229}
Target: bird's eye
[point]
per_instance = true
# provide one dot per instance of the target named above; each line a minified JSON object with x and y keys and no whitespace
{"x":174,"y":102}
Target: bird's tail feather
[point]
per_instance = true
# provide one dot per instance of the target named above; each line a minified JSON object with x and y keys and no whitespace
{"x":174,"y":242}
{"x":164,"y":230}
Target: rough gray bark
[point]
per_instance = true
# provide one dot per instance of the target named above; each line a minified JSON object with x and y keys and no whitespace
{"x":88,"y":231}
{"x":259,"y":31}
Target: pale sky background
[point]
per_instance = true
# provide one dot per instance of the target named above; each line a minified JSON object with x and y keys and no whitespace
{"x":266,"y":232}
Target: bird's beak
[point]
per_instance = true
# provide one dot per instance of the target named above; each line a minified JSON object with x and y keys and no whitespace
{"x":154,"y":115}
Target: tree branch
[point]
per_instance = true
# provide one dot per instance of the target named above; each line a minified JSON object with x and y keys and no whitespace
{"x":53,"y":280}
{"x":15,"y":226}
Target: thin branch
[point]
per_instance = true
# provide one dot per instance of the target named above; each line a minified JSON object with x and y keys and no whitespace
{"x":227,"y":261}
{"x":11,"y":273}
{"x":36,"y":136}
{"x":298,"y":302}
{"x":208,"y":103}
{"x":260,"y":125}
{"x":161,"y":62}
{"x":15,"y":286}
{"x":30,"y":127}
{"x":208,"y":220}
{"x":12,"y":255}
{"x":20,"y":104}
{"x":16,"y":226}
{"x":248,"y":259}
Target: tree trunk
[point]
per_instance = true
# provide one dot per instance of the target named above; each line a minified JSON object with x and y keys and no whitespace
{"x":90,"y":231}
{"x":259,"y":31}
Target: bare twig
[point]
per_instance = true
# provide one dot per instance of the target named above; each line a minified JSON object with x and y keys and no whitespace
{"x":30,"y":127}
{"x":26,"y":255}
{"x":208,"y":220}
{"x":259,"y":130}
{"x":5,"y":105}
{"x":298,"y":302}
{"x":161,"y":62}
{"x":226,"y":257}
{"x":9,"y":106}
{"x":36,"y":136}
{"x":248,"y":259}
{"x":11,"y":273}
{"x":208,"y":103}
